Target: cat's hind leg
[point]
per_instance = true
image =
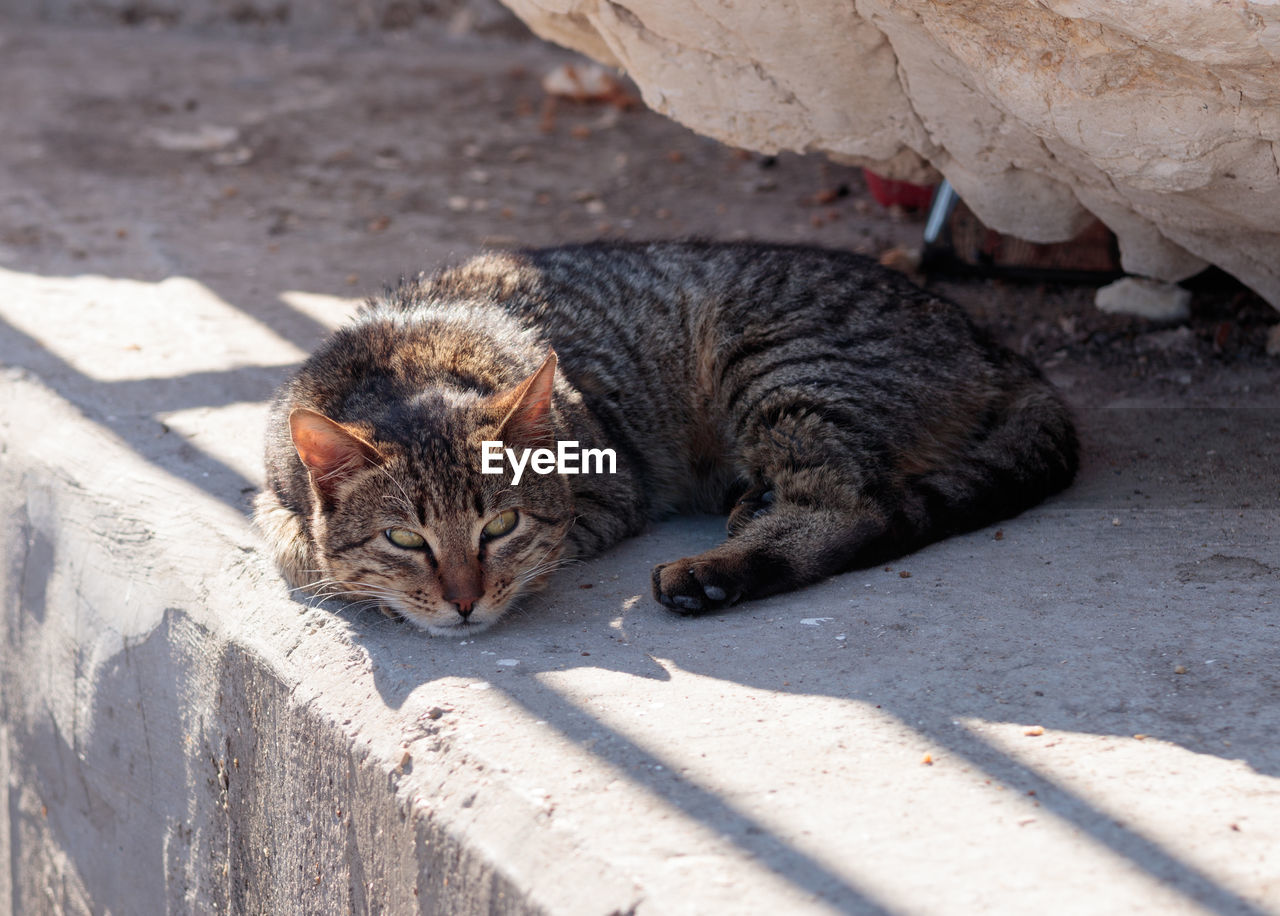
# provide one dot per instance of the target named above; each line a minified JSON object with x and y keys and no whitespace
{"x":790,"y":546}
{"x":818,"y":499}
{"x":829,"y":495}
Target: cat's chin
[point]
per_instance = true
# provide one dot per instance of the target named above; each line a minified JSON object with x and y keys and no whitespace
{"x":458,"y":630}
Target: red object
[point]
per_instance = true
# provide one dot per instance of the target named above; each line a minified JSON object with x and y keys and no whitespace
{"x":902,"y":193}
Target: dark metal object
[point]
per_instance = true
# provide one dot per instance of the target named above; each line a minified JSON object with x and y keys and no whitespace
{"x":957,"y":244}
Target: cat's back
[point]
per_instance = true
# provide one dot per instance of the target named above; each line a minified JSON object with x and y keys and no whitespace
{"x":647,"y":288}
{"x":650,"y":298}
{"x":669,"y":324}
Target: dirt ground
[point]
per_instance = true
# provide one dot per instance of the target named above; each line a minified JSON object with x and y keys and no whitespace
{"x":406,"y":153}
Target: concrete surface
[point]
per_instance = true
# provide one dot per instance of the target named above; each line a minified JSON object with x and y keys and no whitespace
{"x":182,"y":217}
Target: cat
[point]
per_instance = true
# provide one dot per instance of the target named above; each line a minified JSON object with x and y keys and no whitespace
{"x":840,"y":414}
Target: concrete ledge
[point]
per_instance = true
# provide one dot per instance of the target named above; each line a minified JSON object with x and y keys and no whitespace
{"x":229,"y":759}
{"x":167,"y":706}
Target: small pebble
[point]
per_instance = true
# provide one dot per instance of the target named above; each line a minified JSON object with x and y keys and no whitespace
{"x":902,"y":259}
{"x":1035,"y":731}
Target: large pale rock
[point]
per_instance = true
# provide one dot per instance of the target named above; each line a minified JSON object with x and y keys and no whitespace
{"x":1161,"y":117}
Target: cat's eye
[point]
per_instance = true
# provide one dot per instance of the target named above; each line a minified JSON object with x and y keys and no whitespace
{"x":403,"y":537}
{"x":501,"y":524}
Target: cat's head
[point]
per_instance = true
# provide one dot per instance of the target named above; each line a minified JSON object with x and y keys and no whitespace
{"x":406,"y":518}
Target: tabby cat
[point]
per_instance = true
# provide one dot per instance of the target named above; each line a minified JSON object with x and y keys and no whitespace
{"x":841,"y":415}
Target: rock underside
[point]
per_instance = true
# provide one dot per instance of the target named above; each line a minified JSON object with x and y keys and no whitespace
{"x":1161,"y":118}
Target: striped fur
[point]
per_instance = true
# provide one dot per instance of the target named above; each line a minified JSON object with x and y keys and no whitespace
{"x":840,"y":414}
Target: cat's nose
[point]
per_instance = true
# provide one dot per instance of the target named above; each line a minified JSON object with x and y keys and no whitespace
{"x":462,"y":586}
{"x":465,"y":603}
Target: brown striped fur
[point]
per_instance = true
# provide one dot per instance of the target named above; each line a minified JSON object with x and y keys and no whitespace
{"x":841,"y":414}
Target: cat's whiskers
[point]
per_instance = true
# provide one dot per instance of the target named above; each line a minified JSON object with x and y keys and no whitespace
{"x":363,"y":592}
{"x":543,"y":559}
{"x":367,"y":605}
{"x":317,"y":583}
{"x":359,"y":589}
{"x":368,"y":591}
{"x":405,"y":503}
{"x":541,"y":568}
{"x":314,"y":592}
{"x":309,"y":585}
{"x":320,"y":586}
{"x":353,"y":601}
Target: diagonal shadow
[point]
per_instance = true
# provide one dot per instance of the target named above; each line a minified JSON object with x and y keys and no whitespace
{"x":1103,"y":828}
{"x":784,"y":860}
{"x":711,"y":811}
{"x":282,"y":319}
{"x":153,"y":396}
{"x":396,"y":675}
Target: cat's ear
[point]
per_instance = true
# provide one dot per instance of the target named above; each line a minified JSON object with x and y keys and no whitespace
{"x":330,"y":451}
{"x":527,"y":407}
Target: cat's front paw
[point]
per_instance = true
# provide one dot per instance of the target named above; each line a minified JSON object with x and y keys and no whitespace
{"x":694,"y":586}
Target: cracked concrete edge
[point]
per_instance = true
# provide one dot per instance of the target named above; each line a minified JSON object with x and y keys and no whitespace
{"x":159,"y":717}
